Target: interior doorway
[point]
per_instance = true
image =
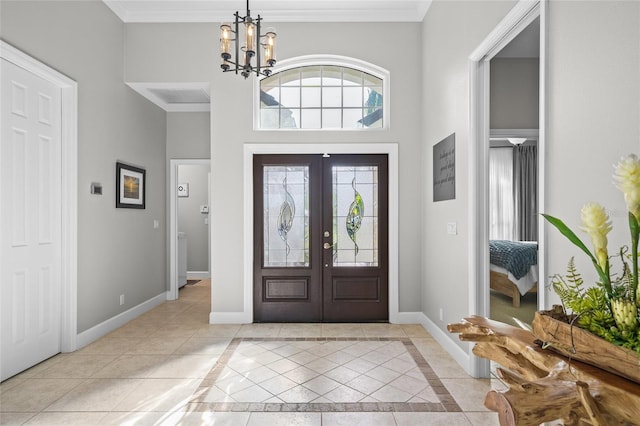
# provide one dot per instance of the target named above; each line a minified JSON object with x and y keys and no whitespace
{"x":514,"y":86}
{"x":321,"y":251}
{"x":190,"y":239}
{"x":516,"y":21}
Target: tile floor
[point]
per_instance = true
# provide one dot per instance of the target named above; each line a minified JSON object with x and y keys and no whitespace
{"x":169,"y":367}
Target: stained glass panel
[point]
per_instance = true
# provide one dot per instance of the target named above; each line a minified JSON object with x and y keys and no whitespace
{"x":355,"y":216}
{"x":286,"y":216}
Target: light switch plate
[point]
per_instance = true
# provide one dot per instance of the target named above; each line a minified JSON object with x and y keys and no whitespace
{"x":452,"y":228}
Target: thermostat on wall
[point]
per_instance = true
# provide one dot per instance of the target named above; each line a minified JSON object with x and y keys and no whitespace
{"x":96,"y":188}
{"x":183,"y":190}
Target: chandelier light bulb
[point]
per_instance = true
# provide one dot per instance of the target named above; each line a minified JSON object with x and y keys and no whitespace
{"x":250,"y":29}
{"x":225,"y":41}
{"x":225,"y":46}
{"x":270,"y":49}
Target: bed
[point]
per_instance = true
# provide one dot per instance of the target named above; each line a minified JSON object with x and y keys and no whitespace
{"x":513,"y":268}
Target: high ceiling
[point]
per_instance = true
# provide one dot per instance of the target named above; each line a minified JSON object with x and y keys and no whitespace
{"x":272,"y":10}
{"x":195,"y":96}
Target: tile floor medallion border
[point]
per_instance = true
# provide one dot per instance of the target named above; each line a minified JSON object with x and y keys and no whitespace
{"x":446,"y":401}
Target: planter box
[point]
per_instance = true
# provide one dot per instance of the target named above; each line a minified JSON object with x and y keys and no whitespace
{"x":579,"y":344}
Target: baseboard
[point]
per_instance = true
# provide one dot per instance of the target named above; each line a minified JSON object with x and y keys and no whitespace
{"x":405,"y":318}
{"x":229,"y":318}
{"x":105,"y":327}
{"x":198,"y":275}
{"x":445,"y":340}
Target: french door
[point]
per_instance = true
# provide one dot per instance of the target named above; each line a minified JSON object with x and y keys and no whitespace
{"x":321,"y":233}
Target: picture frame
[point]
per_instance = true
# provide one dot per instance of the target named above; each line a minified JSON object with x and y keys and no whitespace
{"x":130,"y":186}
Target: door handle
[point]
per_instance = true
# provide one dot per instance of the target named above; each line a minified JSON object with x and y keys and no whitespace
{"x":327,"y":246}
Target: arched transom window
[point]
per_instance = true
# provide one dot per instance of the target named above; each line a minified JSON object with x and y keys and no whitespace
{"x":321,"y":97}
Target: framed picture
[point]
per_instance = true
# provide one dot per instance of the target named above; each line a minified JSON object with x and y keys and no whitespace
{"x":130,"y":186}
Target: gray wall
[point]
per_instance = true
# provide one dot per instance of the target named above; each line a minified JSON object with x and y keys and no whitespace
{"x":445,"y":95}
{"x":191,"y":47}
{"x":593,"y":119}
{"x":594,"y":116}
{"x":514,"y":94}
{"x":188,"y":135}
{"x":119,"y":252}
{"x":190,"y":220}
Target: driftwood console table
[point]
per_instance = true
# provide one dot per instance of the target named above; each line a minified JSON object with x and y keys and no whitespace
{"x":545,"y":386}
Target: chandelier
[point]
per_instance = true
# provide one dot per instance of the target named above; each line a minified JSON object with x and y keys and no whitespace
{"x":242,"y":61}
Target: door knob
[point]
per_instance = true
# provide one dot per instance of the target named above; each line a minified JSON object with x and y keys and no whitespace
{"x":327,"y":246}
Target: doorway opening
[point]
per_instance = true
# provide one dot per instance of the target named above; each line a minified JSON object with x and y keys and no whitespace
{"x":190,"y":239}
{"x":517,"y":20}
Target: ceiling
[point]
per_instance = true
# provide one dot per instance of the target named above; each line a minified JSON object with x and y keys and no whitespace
{"x":525,"y":45}
{"x":183,"y":97}
{"x":130,"y":11}
{"x":177,"y":97}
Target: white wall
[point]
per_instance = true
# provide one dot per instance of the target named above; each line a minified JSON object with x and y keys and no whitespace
{"x":119,"y":252}
{"x":450,"y":33}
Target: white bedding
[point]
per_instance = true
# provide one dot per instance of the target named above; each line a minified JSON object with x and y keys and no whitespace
{"x":525,"y":283}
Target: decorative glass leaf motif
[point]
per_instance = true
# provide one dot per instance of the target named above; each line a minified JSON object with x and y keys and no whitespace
{"x":355,"y":214}
{"x":287,"y":213}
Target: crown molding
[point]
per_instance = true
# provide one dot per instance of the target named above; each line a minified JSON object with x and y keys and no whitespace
{"x":150,"y":11}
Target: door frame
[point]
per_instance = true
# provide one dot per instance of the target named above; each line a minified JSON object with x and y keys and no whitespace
{"x":522,"y":14}
{"x":69,"y":189}
{"x":391,"y":149}
{"x":172,"y":294}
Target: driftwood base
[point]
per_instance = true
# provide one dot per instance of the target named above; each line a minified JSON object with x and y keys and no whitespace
{"x":546,"y":386}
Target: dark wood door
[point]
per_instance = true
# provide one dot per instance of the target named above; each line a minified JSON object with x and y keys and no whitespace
{"x":320,"y":227}
{"x":355,"y":238}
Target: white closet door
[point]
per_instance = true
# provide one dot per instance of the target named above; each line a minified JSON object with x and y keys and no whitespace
{"x":30,"y":220}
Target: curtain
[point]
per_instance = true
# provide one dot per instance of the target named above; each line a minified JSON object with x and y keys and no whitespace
{"x":525,"y":192}
{"x":501,"y":202}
